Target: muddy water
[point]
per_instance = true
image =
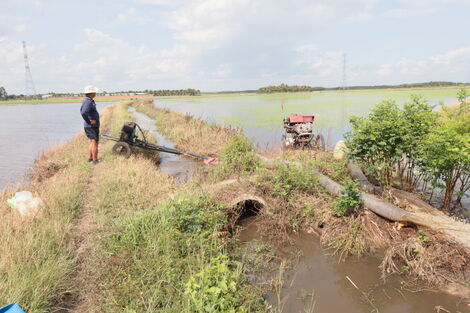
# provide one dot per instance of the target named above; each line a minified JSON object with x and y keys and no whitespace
{"x":318,"y":283}
{"x":28,"y":129}
{"x":179,"y":167}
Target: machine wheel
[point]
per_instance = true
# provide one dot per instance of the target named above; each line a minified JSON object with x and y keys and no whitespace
{"x":122,"y":148}
{"x":320,"y":142}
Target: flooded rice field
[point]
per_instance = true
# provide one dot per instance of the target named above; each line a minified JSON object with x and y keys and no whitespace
{"x":28,"y":129}
{"x":261,"y":115}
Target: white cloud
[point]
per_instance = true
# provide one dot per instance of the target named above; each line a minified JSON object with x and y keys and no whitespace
{"x":306,"y":48}
{"x":131,"y":15}
{"x":224,"y":44}
{"x":384,"y":70}
{"x":451,"y":62}
{"x":410,"y":12}
{"x":460,"y":55}
{"x":158,"y":2}
{"x":12,"y":64}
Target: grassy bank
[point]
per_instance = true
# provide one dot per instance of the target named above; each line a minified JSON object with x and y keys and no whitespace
{"x":119,"y":236}
{"x":37,"y":252}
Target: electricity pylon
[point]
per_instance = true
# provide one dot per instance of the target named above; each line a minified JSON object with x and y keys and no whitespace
{"x":29,"y":83}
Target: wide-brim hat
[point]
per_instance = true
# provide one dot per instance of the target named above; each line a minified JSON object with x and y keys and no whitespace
{"x":90,"y":89}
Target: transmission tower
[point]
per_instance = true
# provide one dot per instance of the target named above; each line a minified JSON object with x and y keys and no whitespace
{"x":29,"y":84}
{"x":344,"y":83}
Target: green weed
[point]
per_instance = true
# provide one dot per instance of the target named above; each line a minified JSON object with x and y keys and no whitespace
{"x":289,"y":178}
{"x":423,"y":236}
{"x":238,"y":158}
{"x":216,"y":288}
{"x":350,"y":200}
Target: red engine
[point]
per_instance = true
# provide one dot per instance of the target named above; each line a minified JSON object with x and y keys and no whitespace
{"x":299,"y":131}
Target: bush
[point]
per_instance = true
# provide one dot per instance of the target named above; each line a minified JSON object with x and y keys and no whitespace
{"x":445,"y":156}
{"x":388,"y":138}
{"x":350,"y":200}
{"x":238,"y":157}
{"x":288,"y":178}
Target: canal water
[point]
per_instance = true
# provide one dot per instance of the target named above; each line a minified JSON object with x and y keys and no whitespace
{"x":317,"y":282}
{"x":181,"y":168}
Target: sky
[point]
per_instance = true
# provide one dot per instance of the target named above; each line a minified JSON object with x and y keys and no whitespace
{"x":216,"y":45}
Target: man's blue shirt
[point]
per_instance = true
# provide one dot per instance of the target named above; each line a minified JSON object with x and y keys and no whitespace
{"x":89,"y":112}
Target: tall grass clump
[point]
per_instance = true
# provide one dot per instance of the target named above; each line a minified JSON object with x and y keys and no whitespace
{"x":239,"y":158}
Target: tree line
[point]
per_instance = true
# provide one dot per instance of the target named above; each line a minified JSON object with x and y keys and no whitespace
{"x":415,"y":85}
{"x":177,"y":92}
{"x":286,"y":88}
{"x":415,"y":148}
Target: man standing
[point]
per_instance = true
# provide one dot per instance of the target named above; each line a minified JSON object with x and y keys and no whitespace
{"x":92,"y":122}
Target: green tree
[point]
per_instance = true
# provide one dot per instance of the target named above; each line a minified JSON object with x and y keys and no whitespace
{"x":376,"y":141}
{"x":386,"y":141}
{"x":418,"y":120}
{"x":3,"y":93}
{"x":445,"y":156}
{"x":462,"y":96}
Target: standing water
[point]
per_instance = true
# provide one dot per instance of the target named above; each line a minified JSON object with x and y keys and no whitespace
{"x":26,"y":130}
{"x":319,"y":283}
{"x":260,"y":115}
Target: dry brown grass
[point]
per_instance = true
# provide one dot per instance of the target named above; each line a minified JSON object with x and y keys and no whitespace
{"x":120,"y":188}
{"x":38,"y":256}
{"x":436,"y":262}
{"x":37,"y":252}
{"x":187,"y":132}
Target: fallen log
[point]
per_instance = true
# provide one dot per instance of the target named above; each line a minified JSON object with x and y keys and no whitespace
{"x":459,"y":231}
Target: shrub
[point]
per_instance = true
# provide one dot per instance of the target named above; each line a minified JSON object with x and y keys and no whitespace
{"x":376,"y":141}
{"x":445,"y":156}
{"x":388,"y":138}
{"x":238,"y":157}
{"x":350,"y":200}
{"x":288,"y":178}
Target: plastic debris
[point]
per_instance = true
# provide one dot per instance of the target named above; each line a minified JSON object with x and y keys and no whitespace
{"x":11,"y":308}
{"x":25,"y":203}
{"x":340,"y":151}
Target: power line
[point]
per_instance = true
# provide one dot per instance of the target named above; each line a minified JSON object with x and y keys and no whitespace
{"x":29,"y":83}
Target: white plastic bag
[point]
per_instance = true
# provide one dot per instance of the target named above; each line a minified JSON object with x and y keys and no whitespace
{"x":24,"y":202}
